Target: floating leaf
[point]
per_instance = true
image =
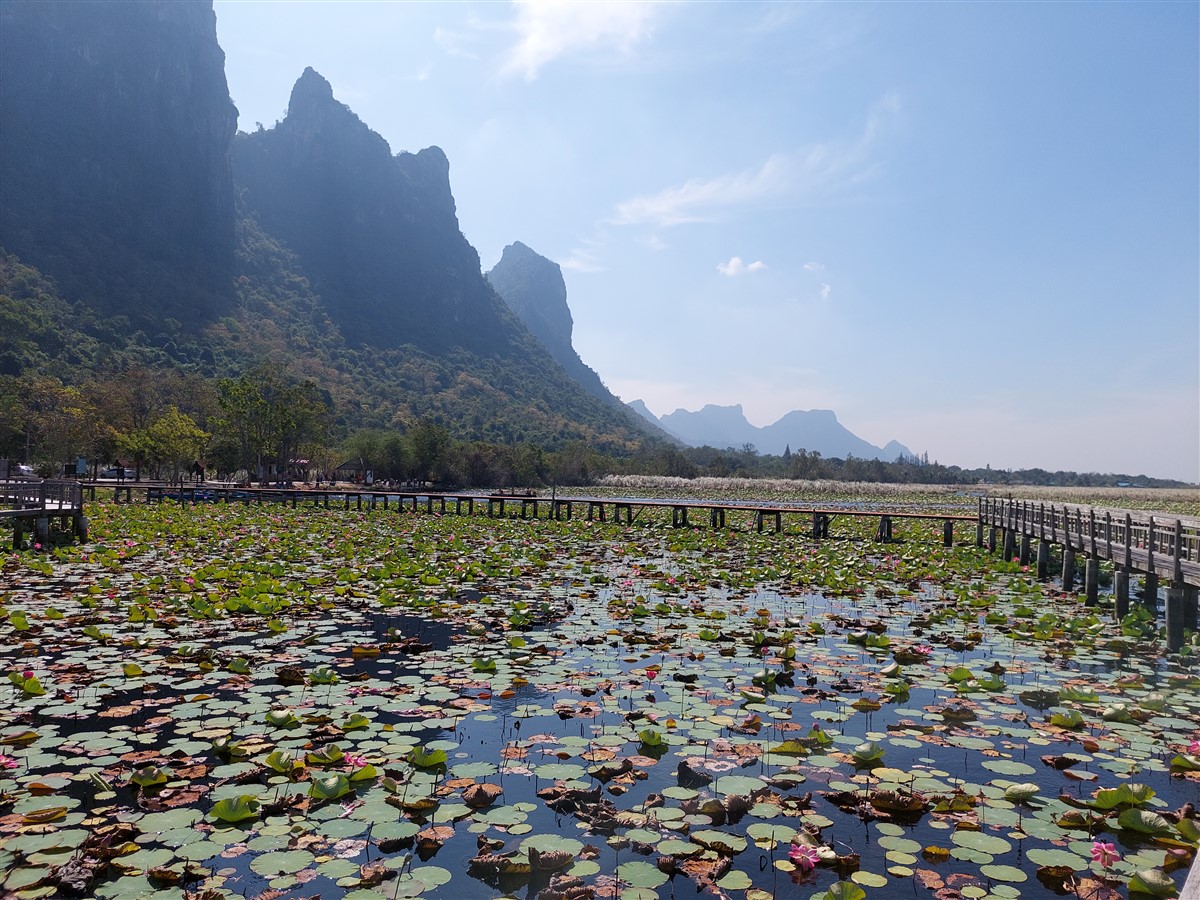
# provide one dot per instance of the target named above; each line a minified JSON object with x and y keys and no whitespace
{"x":329,"y":787}
{"x":1145,"y":822}
{"x":232,"y":810}
{"x":844,"y":890}
{"x":640,"y":874}
{"x":424,"y":758}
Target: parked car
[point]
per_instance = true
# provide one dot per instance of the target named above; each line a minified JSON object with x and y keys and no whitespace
{"x":20,"y":470}
{"x":117,"y":472}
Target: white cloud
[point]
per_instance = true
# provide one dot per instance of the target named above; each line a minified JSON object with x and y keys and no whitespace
{"x":817,"y":170}
{"x":825,"y":291}
{"x":586,"y":257}
{"x":736,"y":267}
{"x":549,"y":29}
{"x":814,"y":267}
{"x":698,"y":199}
{"x":454,"y":43}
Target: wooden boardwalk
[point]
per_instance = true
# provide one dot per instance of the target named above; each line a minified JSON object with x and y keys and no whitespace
{"x":31,"y":505}
{"x":1153,"y":545}
{"x":684,"y":513}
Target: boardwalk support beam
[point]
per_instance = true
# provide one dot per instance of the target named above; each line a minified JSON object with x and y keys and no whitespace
{"x":1150,"y":591}
{"x":884,"y":533}
{"x":1091,"y":581}
{"x":1174,"y":614}
{"x":1121,"y":592}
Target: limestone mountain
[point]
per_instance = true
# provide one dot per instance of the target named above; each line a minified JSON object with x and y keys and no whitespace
{"x":114,"y":153}
{"x":534,"y":289}
{"x":813,"y":430}
{"x":376,"y":234}
{"x":136,"y":229}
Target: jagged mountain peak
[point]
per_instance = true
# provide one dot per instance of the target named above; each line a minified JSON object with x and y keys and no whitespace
{"x":310,"y":93}
{"x":532,"y":286}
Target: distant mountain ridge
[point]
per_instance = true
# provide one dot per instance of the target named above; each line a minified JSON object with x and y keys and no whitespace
{"x":816,"y":430}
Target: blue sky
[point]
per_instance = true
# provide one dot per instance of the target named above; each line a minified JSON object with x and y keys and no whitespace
{"x":971,"y":227}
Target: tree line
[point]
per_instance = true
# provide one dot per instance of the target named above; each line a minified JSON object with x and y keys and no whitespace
{"x":264,"y":425}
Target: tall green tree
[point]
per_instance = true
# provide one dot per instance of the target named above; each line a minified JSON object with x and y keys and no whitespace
{"x":270,"y":420}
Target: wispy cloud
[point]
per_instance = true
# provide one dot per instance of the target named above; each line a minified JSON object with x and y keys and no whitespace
{"x":455,"y":43}
{"x":702,"y":200}
{"x":826,"y":290}
{"x":549,"y":29}
{"x":736,"y":267}
{"x":818,"y":170}
{"x":814,"y":267}
{"x":586,"y":257}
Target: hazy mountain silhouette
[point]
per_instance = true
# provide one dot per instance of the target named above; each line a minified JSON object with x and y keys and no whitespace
{"x":814,"y":430}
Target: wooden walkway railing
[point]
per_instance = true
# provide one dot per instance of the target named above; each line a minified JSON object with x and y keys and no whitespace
{"x":1167,"y":546}
{"x":1152,"y":544}
{"x":32,"y":504}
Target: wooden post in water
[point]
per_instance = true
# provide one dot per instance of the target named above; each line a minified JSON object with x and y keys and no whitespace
{"x":1191,"y":614}
{"x":1150,"y":591}
{"x":1024,"y":557}
{"x":1091,"y":581}
{"x":884,"y":532}
{"x":1121,"y":592}
{"x":1174,"y":614}
{"x":992,"y":539}
{"x":979,"y":525}
{"x":948,"y":533}
{"x":1068,"y":568}
{"x":1010,"y":544}
{"x":1043,"y":560}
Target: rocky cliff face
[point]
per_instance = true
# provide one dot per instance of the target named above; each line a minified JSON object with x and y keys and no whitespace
{"x":534,"y":289}
{"x":377,"y":234}
{"x":114,"y":152}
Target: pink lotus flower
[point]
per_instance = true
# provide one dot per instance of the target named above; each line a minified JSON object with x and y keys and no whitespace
{"x":8,"y":762}
{"x":27,"y":674}
{"x":1194,"y":748}
{"x":804,"y":856}
{"x":354,"y":761}
{"x":1105,"y":854}
{"x":923,"y":649}
{"x":651,"y":674}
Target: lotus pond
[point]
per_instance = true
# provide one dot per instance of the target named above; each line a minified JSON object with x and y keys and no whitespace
{"x":212,"y":702}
